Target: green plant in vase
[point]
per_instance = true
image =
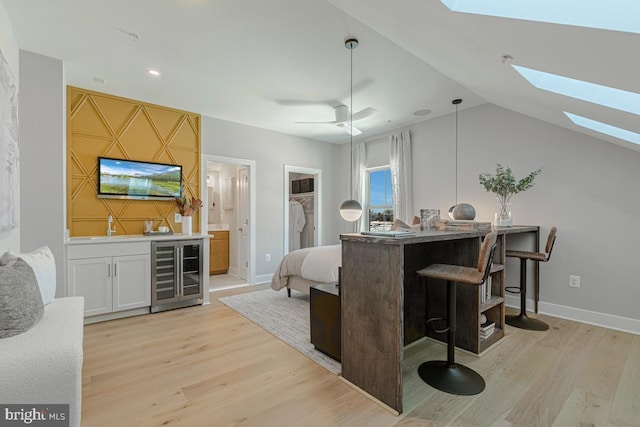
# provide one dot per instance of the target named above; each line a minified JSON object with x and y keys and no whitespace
{"x":504,"y":185}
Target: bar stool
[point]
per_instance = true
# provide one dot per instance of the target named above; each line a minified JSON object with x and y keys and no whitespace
{"x":521,"y":320}
{"x":447,"y":375}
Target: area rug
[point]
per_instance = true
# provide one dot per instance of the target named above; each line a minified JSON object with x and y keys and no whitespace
{"x":286,"y":318}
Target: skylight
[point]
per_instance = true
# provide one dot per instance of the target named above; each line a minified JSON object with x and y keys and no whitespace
{"x":600,"y":127}
{"x":585,"y":91}
{"x":615,"y":15}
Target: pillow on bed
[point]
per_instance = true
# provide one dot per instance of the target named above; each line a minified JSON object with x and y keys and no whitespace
{"x":43,"y":264}
{"x":20,"y":300}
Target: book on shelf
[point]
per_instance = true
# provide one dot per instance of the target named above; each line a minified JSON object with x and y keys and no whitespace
{"x":485,"y":335}
{"x":488,"y":325}
{"x":389,"y":233}
{"x":461,"y":225}
{"x":485,"y":289}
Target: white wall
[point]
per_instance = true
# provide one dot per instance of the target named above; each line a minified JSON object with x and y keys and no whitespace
{"x":42,"y":157}
{"x":10,"y":240}
{"x":587,"y":189}
{"x":271,"y":151}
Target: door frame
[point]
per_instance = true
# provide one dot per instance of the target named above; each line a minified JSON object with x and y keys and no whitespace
{"x":317,"y":200}
{"x":204,"y":218}
{"x":239,"y":172}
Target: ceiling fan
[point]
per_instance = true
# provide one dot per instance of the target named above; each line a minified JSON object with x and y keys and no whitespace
{"x":342,"y":118}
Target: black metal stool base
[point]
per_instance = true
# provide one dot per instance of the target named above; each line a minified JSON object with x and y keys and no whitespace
{"x":455,"y":379}
{"x":522,"y":321}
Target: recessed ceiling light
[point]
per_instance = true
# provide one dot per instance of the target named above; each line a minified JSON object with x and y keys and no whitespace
{"x":604,"y":128}
{"x":615,"y":15}
{"x":153,"y":72}
{"x":506,"y":58}
{"x":424,"y":112}
{"x":98,"y":80}
{"x":585,"y":91}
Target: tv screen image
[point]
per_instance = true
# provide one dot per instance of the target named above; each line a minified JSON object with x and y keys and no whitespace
{"x":119,"y":178}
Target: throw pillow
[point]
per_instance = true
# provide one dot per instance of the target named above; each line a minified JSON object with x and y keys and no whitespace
{"x":20,"y":300}
{"x":43,"y":264}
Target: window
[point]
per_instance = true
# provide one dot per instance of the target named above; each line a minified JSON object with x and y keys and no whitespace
{"x":616,"y":15}
{"x":379,"y":199}
{"x":605,"y":128}
{"x":584,"y":91}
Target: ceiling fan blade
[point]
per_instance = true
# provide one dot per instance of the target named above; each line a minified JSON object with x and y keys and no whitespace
{"x":317,"y":123}
{"x":306,"y":103}
{"x":363,"y":114}
{"x":351,"y":130}
{"x":299,"y":103}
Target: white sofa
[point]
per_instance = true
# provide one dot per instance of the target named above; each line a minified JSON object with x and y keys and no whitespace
{"x":44,"y":364}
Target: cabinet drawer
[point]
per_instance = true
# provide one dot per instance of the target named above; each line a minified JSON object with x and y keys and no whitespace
{"x":108,"y":249}
{"x":219,"y":235}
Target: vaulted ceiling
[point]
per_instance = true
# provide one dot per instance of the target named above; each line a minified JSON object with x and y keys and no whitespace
{"x":273,"y":63}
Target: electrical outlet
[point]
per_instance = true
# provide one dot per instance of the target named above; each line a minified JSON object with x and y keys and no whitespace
{"x":574,"y":281}
{"x":267,"y":257}
{"x":177,"y":218}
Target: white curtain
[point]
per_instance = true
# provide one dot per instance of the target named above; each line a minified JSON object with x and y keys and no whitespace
{"x":401,"y":176}
{"x":358,"y":178}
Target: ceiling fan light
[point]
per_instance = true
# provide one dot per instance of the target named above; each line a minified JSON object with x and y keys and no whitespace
{"x":350,"y":210}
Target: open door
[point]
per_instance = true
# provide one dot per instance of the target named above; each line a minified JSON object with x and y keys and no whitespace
{"x":229,"y":218}
{"x":302,"y":207}
{"x":243,"y":222}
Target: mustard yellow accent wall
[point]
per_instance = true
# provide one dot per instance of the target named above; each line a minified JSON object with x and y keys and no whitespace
{"x":109,"y":126}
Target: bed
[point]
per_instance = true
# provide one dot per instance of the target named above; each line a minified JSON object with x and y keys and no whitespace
{"x":303,"y":268}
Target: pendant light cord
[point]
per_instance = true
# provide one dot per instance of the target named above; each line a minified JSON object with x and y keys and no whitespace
{"x":351,"y":132}
{"x":456,"y":102}
{"x":456,"y":154}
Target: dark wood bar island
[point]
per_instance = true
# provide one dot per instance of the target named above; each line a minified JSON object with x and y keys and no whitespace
{"x":384,"y":303}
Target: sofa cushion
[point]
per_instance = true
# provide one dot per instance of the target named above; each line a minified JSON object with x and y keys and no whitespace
{"x":44,"y":365}
{"x":21,"y":304}
{"x":43,"y":264}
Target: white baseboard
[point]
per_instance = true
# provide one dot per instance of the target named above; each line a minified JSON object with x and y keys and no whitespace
{"x":233,"y":271}
{"x":610,"y":321}
{"x":263,"y":278}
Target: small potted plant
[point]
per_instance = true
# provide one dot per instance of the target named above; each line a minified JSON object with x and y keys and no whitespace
{"x":504,"y":186}
{"x":186,"y":208}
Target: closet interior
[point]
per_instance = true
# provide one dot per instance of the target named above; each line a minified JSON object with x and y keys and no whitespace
{"x":302,"y":211}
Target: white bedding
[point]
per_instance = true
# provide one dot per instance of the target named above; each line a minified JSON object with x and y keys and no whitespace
{"x":319,"y":264}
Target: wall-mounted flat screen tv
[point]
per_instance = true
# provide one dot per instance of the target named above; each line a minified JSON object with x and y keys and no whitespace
{"x":129,"y":179}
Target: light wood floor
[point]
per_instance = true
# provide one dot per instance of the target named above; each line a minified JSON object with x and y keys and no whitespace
{"x":209,"y":366}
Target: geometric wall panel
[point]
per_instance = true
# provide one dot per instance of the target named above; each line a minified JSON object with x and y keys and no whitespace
{"x":99,"y":124}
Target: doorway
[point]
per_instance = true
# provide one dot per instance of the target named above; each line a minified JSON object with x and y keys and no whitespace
{"x":228,"y":218}
{"x":302,"y":207}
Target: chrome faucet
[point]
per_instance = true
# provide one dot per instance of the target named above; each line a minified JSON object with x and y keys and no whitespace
{"x":109,"y":230}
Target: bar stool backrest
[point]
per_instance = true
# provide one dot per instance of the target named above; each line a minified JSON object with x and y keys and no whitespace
{"x":486,"y":253}
{"x":551,"y":240}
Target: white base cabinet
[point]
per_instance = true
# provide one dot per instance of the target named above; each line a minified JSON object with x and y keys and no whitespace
{"x":111,"y":277}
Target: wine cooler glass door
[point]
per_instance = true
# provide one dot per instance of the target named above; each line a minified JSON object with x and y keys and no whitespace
{"x":191,"y":270}
{"x":165,"y":278}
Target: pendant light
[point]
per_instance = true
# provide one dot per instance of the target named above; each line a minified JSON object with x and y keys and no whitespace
{"x":351,"y":210}
{"x":460,"y":211}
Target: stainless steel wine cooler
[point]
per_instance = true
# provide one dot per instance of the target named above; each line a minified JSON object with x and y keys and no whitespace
{"x":176,"y":278}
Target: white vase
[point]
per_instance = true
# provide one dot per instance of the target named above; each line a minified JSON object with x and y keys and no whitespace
{"x":187,"y":224}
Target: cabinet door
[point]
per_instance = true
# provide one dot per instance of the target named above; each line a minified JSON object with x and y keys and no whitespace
{"x":131,"y":282}
{"x":219,"y":256}
{"x":91,"y":279}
